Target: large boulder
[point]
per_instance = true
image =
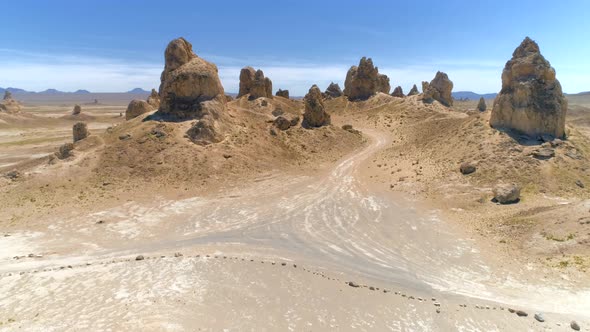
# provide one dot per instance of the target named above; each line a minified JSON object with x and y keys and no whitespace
{"x":9,"y":104}
{"x":439,"y":89}
{"x":333,"y":91}
{"x":315,"y":112}
{"x":506,"y":193}
{"x":398,"y":92}
{"x":186,"y":82}
{"x":77,"y":110}
{"x":481,"y":105}
{"x":136,"y":108}
{"x":364,"y":81}
{"x":283,"y":93}
{"x":253,"y":83}
{"x":413,"y":91}
{"x":80,"y":131}
{"x":531,"y":100}
{"x":154,"y":99}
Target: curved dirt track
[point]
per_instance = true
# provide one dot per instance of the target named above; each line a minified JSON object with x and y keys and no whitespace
{"x":333,"y":225}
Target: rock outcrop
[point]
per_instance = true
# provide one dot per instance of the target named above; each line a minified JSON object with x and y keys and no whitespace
{"x":333,"y":91}
{"x":253,"y":83}
{"x":531,"y":100}
{"x":136,"y":108}
{"x":506,"y":193}
{"x":154,"y":99}
{"x":315,"y":112}
{"x":186,"y":82}
{"x":283,"y":93}
{"x":413,"y":91}
{"x":364,"y":81}
{"x":77,"y":110}
{"x":398,"y":92}
{"x":80,"y":131}
{"x":8,"y":104}
{"x":439,"y":89}
{"x":481,"y":106}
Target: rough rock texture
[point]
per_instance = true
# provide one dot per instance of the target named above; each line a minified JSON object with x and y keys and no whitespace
{"x":136,"y":108}
{"x":186,"y":82}
{"x":254,"y":83}
{"x":154,"y":99}
{"x":481,"y":106}
{"x":333,"y":91}
{"x":467,"y":168}
{"x":364,"y":81}
{"x":506,"y":193}
{"x":8,"y":104}
{"x":315,"y":113}
{"x":440,"y":89}
{"x":531,"y":100}
{"x":77,"y":110}
{"x":413,"y":91}
{"x":398,"y":92}
{"x":211,"y":126}
{"x":80,"y":131}
{"x":282,"y":123}
{"x":283,"y":93}
{"x":65,"y":151}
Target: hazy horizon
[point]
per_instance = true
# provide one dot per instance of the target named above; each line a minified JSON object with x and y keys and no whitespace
{"x":62,"y":46}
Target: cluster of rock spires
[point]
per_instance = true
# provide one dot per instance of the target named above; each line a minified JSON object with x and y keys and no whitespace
{"x":9,"y":104}
{"x":154,"y":99}
{"x":333,"y":91}
{"x":439,"y":89}
{"x":282,"y":93}
{"x":254,"y":84}
{"x":531,"y":100}
{"x":364,"y":81}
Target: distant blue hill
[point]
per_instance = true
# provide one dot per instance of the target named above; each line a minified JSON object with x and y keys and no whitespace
{"x":472,"y":95}
{"x":138,"y":90}
{"x":13,"y":90}
{"x":81,"y":92}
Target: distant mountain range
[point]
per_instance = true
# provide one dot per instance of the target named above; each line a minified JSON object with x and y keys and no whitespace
{"x":472,"y":95}
{"x":138,"y":90}
{"x":17,"y":91}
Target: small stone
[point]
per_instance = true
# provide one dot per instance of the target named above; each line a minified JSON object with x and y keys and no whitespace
{"x":283,"y":264}
{"x":353,"y":284}
{"x":544,"y":153}
{"x":125,"y":137}
{"x":436,"y":304}
{"x":467,"y":168}
{"x":539,"y":317}
{"x":580,"y":184}
{"x":139,"y":258}
{"x":521,"y":313}
{"x":177,"y":254}
{"x":574,"y":325}
{"x":372,"y":288}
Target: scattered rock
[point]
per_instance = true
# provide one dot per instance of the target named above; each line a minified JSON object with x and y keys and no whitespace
{"x":315,"y":114}
{"x":531,"y":100}
{"x":177,"y":254}
{"x":77,"y":110}
{"x":278,"y":111}
{"x":154,"y":99}
{"x":65,"y":151}
{"x":506,"y":193}
{"x":544,"y":153}
{"x":353,"y":284}
{"x":282,"y":123}
{"x":364,"y":81}
{"x":254,"y":83}
{"x":139,"y":258}
{"x":136,"y":108}
{"x":574,"y":325}
{"x":80,"y":131}
{"x":347,"y":127}
{"x":539,"y":317}
{"x":13,"y":175}
{"x":282,"y":93}
{"x":467,"y":168}
{"x":413,"y":91}
{"x":481,"y":106}
{"x":125,"y":137}
{"x":439,"y":89}
{"x":521,"y":313}
{"x":333,"y":91}
{"x":398,"y":92}
{"x":580,"y":184}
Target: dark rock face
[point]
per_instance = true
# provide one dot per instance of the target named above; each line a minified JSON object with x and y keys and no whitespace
{"x":315,"y":112}
{"x":80,"y":131}
{"x":481,"y":106}
{"x":333,"y":91}
{"x":186,"y":82}
{"x":365,"y":81}
{"x":440,"y":89}
{"x":398,"y":92}
{"x":254,"y":83}
{"x":283,"y":93}
{"x":531,"y":100}
{"x":413,"y":91}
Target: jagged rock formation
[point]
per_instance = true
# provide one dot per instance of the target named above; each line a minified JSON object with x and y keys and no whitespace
{"x":8,"y":104}
{"x":481,"y":106}
{"x":315,"y":112}
{"x":440,"y":89}
{"x":136,"y":108}
{"x":413,"y":91}
{"x":333,"y":91}
{"x":154,"y":99}
{"x":283,"y":93}
{"x":364,"y":81}
{"x":186,"y":82}
{"x":77,"y":110}
{"x":80,"y":131}
{"x":254,"y":83}
{"x":398,"y":92}
{"x":531,"y":100}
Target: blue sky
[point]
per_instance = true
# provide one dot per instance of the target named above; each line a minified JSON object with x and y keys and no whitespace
{"x":118,"y":45}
